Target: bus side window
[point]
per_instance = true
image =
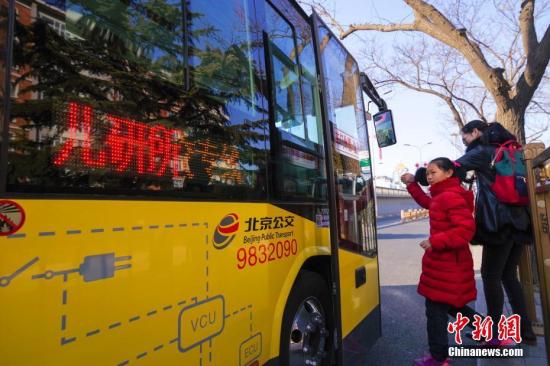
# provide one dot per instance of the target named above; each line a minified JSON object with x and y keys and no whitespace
{"x":298,"y":155}
{"x":117,"y":98}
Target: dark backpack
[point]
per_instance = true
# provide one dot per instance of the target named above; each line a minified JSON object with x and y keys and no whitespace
{"x":510,"y":186}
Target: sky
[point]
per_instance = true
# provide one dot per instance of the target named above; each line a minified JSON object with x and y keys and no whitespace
{"x":420,"y":119}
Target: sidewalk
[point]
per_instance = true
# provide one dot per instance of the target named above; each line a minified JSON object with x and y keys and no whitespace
{"x":532,"y":355}
{"x":403,"y":311}
{"x":387,"y":221}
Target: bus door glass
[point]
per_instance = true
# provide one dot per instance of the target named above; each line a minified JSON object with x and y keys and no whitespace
{"x":297,"y":144}
{"x":358,"y":265}
{"x":350,"y":150}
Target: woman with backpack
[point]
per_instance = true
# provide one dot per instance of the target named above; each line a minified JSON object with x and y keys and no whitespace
{"x":503,"y":229}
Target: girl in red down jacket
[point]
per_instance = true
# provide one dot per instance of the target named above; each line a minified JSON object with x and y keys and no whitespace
{"x":447,"y":279}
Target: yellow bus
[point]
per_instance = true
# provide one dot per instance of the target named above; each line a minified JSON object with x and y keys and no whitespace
{"x":182,"y":183}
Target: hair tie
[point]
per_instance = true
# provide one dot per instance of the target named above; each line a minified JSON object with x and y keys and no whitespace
{"x":457,"y":164}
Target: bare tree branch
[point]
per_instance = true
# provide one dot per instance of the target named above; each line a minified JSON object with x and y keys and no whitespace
{"x":456,"y":67}
{"x":534,"y":137}
{"x":323,"y":12}
{"x":537,"y":131}
{"x":448,"y":100}
{"x":515,"y":70}
{"x":417,"y":85}
{"x":540,"y":107}
{"x":482,"y":105}
{"x":527,"y":27}
{"x":439,"y":27}
{"x":432,"y":22}
{"x":467,"y":102}
{"x":506,"y":15}
{"x":536,"y":65}
{"x":378,"y":27}
{"x":489,"y":49}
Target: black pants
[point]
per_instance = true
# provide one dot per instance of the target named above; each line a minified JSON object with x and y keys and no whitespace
{"x":499,"y":265}
{"x":467,"y":312}
{"x":437,"y":320}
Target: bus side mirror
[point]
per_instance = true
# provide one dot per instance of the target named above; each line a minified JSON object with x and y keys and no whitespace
{"x":383,"y":125}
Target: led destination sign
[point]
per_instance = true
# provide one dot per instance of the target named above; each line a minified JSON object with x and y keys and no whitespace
{"x":119,"y":145}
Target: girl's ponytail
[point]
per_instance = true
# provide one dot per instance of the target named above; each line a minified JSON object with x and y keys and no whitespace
{"x":420,"y":177}
{"x":447,"y":164}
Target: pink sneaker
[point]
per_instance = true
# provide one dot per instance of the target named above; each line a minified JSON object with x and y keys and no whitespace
{"x":428,"y":360}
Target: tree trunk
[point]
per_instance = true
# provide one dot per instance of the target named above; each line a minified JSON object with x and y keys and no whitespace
{"x":513,"y":120}
{"x":349,"y":93}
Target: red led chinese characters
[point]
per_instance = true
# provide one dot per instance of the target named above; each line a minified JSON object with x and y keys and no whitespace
{"x":121,"y":145}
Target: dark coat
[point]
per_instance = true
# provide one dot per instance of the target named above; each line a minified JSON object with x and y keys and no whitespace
{"x":496,"y":223}
{"x":447,"y":267}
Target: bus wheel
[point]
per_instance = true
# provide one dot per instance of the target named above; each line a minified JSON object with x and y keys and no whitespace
{"x":305,"y":337}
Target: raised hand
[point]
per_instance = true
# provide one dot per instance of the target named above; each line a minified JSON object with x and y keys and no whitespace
{"x":407,"y":178}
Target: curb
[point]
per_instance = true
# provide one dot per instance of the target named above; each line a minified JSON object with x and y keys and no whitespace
{"x":400,"y":223}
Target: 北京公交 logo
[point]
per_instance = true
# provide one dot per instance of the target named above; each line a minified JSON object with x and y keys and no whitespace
{"x":226,"y":230}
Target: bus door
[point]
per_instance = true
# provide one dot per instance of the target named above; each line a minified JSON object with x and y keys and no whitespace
{"x":354,"y":193}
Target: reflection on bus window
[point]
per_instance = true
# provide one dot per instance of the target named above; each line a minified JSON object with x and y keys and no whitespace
{"x":284,"y":65}
{"x":299,"y":154}
{"x":102,"y":105}
{"x":356,"y":211}
{"x":3,"y":38}
{"x":312,"y":108}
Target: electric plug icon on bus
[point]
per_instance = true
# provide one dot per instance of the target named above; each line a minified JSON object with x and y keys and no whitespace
{"x":93,"y":268}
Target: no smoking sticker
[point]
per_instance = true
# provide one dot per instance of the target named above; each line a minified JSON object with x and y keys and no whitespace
{"x":12,"y":217}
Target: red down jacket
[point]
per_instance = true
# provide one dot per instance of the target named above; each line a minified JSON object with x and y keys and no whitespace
{"x":447,"y":267}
